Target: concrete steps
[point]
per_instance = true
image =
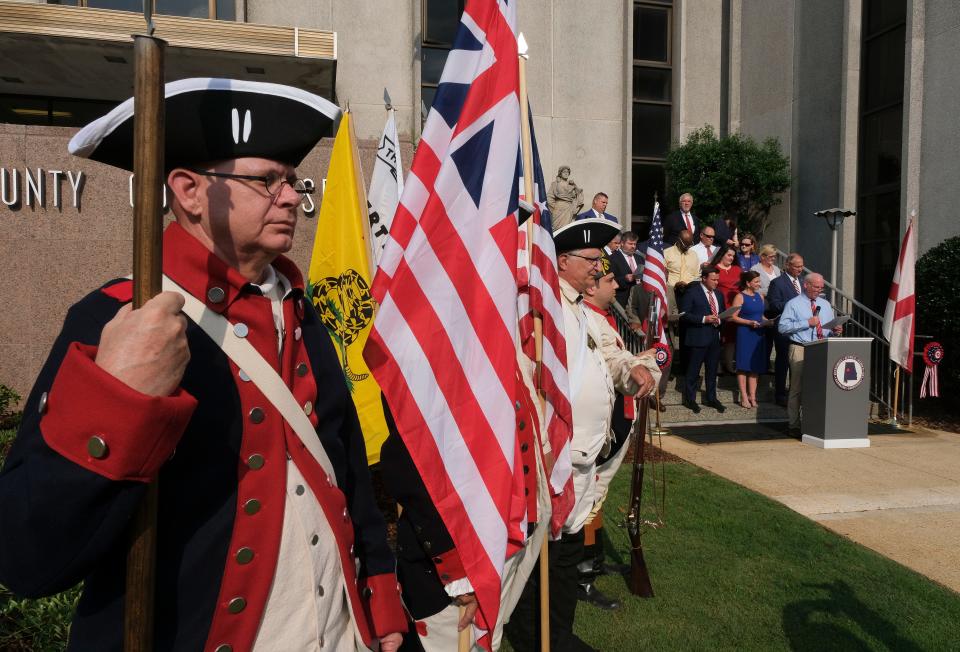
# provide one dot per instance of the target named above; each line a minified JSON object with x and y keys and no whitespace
{"x":728,"y":394}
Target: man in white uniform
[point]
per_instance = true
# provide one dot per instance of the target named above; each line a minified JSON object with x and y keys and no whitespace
{"x":594,"y":377}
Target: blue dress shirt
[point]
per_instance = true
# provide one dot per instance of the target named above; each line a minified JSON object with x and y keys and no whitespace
{"x":793,"y":321}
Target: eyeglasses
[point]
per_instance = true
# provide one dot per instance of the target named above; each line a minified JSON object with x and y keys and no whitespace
{"x":594,"y":262}
{"x":745,"y":244}
{"x":273,"y":183}
{"x":708,"y":235}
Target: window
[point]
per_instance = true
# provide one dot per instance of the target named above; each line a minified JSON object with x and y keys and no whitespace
{"x":218,"y":9}
{"x":51,"y":111}
{"x":652,"y":106}
{"x":879,"y":152}
{"x":441,"y":18}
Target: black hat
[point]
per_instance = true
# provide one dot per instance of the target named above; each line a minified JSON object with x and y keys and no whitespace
{"x":594,"y":233}
{"x":217,"y":119}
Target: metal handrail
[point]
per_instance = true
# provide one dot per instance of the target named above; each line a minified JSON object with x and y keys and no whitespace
{"x":864,"y":322}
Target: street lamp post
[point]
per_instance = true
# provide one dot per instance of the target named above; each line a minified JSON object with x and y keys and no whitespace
{"x":834,"y":218}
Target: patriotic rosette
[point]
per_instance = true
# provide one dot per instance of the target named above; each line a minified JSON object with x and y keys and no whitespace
{"x":663,"y":354}
{"x":932,"y":357}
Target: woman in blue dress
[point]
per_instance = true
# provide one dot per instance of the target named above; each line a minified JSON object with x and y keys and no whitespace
{"x":750,"y":357}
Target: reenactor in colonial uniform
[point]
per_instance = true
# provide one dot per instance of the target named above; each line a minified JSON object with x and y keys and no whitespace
{"x":598,"y":300}
{"x":595,"y":376}
{"x":269,"y":536}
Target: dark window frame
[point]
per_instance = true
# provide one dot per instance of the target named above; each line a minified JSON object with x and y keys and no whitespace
{"x":211,"y":8}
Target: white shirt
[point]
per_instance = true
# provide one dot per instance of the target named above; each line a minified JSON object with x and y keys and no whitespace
{"x":702,"y":254}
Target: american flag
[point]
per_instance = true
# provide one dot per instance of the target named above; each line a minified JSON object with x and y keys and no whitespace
{"x":542,"y":295}
{"x":655,"y":269}
{"x":443,"y":345}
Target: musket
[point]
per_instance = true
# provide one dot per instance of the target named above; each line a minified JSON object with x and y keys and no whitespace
{"x":148,"y":149}
{"x":639,"y":575}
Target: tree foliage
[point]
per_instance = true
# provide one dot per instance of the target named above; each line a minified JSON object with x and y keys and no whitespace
{"x":938,"y":307}
{"x":732,"y":175}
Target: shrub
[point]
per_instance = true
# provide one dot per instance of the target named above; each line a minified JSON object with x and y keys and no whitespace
{"x":938,"y":308}
{"x":9,"y":416}
{"x":732,"y":175}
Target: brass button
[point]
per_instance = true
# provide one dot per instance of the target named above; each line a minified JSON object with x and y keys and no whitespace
{"x":256,"y":415}
{"x":367,"y":592}
{"x":517,"y":406}
{"x":252,"y":506}
{"x":224,"y":648}
{"x":240,"y":329}
{"x":526,"y":469}
{"x":216,"y":295}
{"x":437,"y":560}
{"x":243,"y":376}
{"x":523,"y":447}
{"x":255,"y":461}
{"x":308,"y":408}
{"x":297,"y":333}
{"x":300,"y":490}
{"x":236,"y":605}
{"x":320,"y":591}
{"x":314,"y":539}
{"x":244,"y":556}
{"x":42,"y":407}
{"x":302,"y":369}
{"x":97,"y":447}
{"x":522,"y":425}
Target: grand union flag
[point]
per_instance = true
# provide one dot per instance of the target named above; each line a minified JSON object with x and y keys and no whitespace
{"x":443,"y":346}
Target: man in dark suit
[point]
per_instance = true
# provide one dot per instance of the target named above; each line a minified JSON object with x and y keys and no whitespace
{"x":627,"y":266}
{"x":781,"y":290}
{"x":598,"y":209}
{"x":700,"y":308}
{"x":679,"y":220}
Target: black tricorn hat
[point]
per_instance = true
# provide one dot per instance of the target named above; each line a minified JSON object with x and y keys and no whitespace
{"x":209,"y":119}
{"x":594,"y":233}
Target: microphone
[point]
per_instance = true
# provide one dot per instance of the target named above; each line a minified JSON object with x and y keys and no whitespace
{"x":816,"y":311}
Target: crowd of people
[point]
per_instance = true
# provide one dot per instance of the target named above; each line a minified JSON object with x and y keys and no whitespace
{"x":726,"y":295}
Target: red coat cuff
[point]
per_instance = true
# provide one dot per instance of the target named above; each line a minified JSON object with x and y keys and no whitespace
{"x":380,"y":595}
{"x":100,"y":423}
{"x":449,"y":567}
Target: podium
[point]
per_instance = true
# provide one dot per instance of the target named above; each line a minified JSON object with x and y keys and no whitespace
{"x":835,"y":404}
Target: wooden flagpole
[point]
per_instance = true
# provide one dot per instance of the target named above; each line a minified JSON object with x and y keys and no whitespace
{"x":148,"y":146}
{"x":896,"y":395}
{"x":527,"y":152}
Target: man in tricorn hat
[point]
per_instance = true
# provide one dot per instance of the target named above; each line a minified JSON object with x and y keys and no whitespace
{"x":595,"y":374}
{"x":269,"y":536}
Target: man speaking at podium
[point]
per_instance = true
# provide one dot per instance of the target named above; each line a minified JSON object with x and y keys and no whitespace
{"x":802,"y":321}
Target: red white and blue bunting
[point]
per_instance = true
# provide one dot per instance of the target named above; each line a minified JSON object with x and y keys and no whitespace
{"x":932,"y":357}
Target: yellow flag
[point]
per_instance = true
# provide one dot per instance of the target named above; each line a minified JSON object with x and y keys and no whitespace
{"x":339,"y":280}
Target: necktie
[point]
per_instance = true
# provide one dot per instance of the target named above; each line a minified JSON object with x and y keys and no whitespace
{"x":813,"y":309}
{"x":713,"y":302}
{"x":632,"y":263}
{"x":688,"y":221}
{"x":796,"y":284}
{"x":709,"y":252}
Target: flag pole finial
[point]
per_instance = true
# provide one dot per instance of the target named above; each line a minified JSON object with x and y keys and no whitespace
{"x":522,"y":47}
{"x":386,"y":100}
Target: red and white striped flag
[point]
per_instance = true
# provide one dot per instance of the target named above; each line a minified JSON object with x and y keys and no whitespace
{"x":443,"y":345}
{"x":899,"y":319}
{"x":654,"y":277}
{"x":540,"y":293}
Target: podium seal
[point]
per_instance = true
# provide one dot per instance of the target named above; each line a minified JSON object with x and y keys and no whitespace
{"x":848,"y":372}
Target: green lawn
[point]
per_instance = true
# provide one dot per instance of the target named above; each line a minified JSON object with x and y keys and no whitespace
{"x":733,"y":570}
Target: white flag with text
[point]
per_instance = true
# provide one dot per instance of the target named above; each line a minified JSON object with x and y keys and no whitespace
{"x":386,"y":186}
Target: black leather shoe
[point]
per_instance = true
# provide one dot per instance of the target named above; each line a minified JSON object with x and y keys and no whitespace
{"x":605,"y":568}
{"x":716,"y":405}
{"x":691,"y":405}
{"x":591,"y":594}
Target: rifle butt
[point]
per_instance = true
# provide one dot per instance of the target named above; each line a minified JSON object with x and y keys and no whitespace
{"x":639,"y":576}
